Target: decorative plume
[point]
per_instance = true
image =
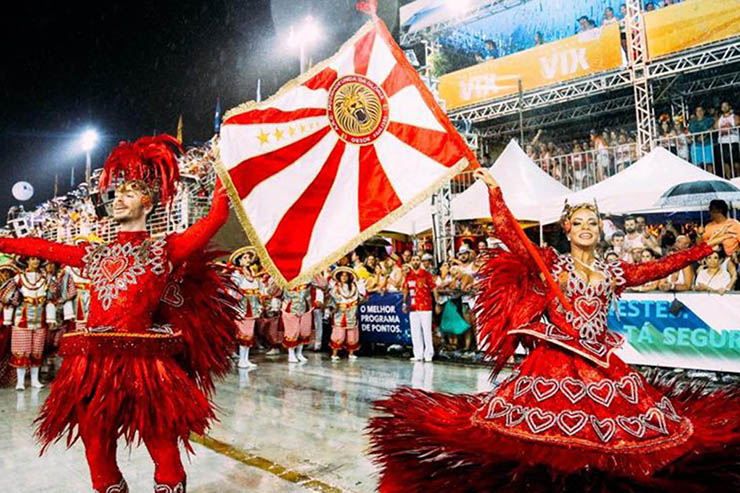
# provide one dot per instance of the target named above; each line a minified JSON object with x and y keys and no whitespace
{"x":150,"y":160}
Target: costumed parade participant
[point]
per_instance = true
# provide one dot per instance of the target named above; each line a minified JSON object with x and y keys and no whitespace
{"x":160,"y":326}
{"x":32,"y":316}
{"x":77,"y":307}
{"x":246,"y":277}
{"x":8,"y":271}
{"x":297,"y":318}
{"x":344,"y":297}
{"x":572,"y":416}
{"x":61,"y":289}
{"x":269,"y":323}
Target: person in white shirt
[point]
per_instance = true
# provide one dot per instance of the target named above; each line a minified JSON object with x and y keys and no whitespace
{"x":713,"y":277}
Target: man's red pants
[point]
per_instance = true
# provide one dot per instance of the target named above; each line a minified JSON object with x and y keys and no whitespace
{"x":100,"y":449}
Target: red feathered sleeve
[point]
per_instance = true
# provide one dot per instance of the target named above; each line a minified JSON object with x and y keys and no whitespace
{"x":196,"y":237}
{"x":504,"y":224}
{"x":639,"y":274}
{"x":48,"y":250}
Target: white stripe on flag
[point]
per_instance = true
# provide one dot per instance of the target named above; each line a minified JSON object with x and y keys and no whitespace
{"x":407,"y":106}
{"x":381,"y":61}
{"x":408,"y":170}
{"x":344,"y":62}
{"x":301,"y":97}
{"x":270,"y":200}
{"x":241,"y":142}
{"x":339,"y":220}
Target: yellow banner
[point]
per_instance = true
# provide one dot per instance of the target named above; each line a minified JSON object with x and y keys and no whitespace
{"x":691,"y":23}
{"x":583,"y":54}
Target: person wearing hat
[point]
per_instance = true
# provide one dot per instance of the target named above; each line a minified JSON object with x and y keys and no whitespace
{"x":297,"y":318}
{"x":77,"y":306}
{"x":427,"y":262}
{"x":8,"y":271}
{"x":246,"y":277}
{"x":393,"y":273}
{"x":345,"y":295}
{"x":28,"y":293}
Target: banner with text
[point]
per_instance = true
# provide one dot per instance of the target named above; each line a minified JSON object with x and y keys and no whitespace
{"x":689,"y":24}
{"x":587,"y":53}
{"x":383,"y":320}
{"x":704,"y":334}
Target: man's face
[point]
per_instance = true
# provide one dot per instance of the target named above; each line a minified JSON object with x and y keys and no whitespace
{"x":371,"y":260}
{"x":640,"y":223}
{"x":682,"y":242}
{"x":129,"y":205}
{"x":584,"y":23}
{"x":415,"y":262}
{"x":343,"y":262}
{"x":636,"y":255}
{"x":463,"y":256}
{"x":726,"y":107}
{"x":700,"y":112}
{"x":618,"y":242}
{"x":427,"y":264}
{"x":630,"y":225}
{"x":406,"y":255}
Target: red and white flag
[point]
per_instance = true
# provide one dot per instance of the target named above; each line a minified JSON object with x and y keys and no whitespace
{"x":336,"y":155}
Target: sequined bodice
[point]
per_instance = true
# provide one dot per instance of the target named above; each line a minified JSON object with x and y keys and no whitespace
{"x":128,"y":279}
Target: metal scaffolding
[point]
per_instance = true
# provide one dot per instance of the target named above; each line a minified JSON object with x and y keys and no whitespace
{"x":443,"y":227}
{"x":639,"y":76}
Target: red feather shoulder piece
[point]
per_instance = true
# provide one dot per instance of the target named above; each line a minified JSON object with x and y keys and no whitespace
{"x":510,"y":294}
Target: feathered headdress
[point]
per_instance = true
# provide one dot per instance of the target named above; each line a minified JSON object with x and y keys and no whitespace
{"x":150,"y":162}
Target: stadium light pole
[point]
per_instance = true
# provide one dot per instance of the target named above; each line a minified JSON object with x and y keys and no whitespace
{"x":88,"y":140}
{"x":304,"y":36}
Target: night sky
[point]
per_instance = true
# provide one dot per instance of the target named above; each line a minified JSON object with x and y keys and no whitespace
{"x":131,"y":68}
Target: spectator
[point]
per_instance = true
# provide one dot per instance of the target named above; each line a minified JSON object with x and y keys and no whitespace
{"x":623,"y":153}
{"x":406,"y":256}
{"x":611,"y":256}
{"x":718,"y":212}
{"x":728,"y":150}
{"x":608,"y":17}
{"x":682,"y":141}
{"x":538,"y":39}
{"x":452,"y":324}
{"x":622,"y":11}
{"x":427,"y":263}
{"x":617,"y":243}
{"x":602,"y":155}
{"x":649,"y":7}
{"x":682,"y":280}
{"x":417,"y":298}
{"x":583,"y":24}
{"x":647,"y":255}
{"x":489,"y":52}
{"x":393,"y":273}
{"x":701,"y":150}
{"x":713,"y":277}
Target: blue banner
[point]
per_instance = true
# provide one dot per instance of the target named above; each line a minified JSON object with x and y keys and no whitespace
{"x":701,"y":333}
{"x":382,"y":320}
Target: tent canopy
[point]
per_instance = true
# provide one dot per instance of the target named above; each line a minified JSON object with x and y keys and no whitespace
{"x":639,"y":187}
{"x":530,"y":193}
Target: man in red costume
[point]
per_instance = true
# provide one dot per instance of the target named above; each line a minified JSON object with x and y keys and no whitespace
{"x":143,"y":365}
{"x":417,"y":296}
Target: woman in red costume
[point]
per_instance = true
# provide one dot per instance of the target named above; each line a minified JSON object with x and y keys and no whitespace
{"x":572,"y":416}
{"x":160,"y":326}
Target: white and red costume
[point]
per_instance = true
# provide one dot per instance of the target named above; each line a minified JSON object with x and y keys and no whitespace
{"x":419,"y":285}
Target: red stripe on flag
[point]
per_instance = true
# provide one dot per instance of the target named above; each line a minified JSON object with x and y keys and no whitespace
{"x":273,"y":115}
{"x":396,"y":80}
{"x":322,"y":80}
{"x":363,"y":49}
{"x":432,"y":143}
{"x":376,"y":197}
{"x":289,"y":243}
{"x":253,"y":171}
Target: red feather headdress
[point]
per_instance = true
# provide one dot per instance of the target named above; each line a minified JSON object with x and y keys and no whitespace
{"x":150,"y":161}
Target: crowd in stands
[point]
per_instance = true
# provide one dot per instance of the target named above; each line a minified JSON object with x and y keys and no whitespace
{"x":533,"y":24}
{"x":710,"y":140}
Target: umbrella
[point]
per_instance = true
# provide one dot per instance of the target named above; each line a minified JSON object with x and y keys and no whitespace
{"x":699,"y":193}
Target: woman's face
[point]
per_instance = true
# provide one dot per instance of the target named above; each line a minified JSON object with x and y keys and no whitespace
{"x":444,"y":269}
{"x":713,"y":260}
{"x":584,"y":228}
{"x":646,"y":256}
{"x":343,"y":277}
{"x":33,"y":263}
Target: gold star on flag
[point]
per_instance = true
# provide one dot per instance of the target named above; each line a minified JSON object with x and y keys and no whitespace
{"x":278,"y":134}
{"x":303,"y":128}
{"x":263,"y":137}
{"x":291,"y":131}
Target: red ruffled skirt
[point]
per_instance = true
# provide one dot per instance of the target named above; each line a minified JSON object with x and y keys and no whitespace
{"x":558,"y":423}
{"x":132,"y":395}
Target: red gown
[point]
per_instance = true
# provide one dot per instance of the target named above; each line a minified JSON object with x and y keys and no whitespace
{"x":160,"y":327}
{"x":571,"y":415}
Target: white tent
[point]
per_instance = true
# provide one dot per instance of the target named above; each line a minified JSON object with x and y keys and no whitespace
{"x":639,"y":187}
{"x":414,"y":222}
{"x":530,"y":193}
